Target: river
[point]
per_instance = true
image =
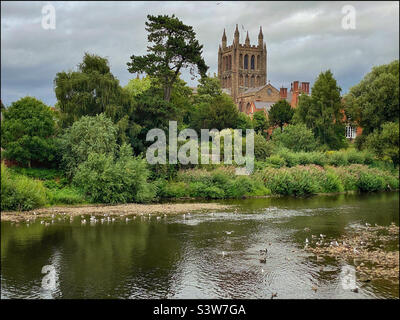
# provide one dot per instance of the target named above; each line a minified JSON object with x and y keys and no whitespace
{"x":202,"y":255}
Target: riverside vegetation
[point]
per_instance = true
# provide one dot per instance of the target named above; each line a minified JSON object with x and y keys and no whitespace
{"x":90,"y":147}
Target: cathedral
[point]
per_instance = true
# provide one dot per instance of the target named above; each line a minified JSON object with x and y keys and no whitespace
{"x":242,"y":70}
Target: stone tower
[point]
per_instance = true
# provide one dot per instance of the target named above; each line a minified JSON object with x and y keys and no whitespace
{"x":242,"y":66}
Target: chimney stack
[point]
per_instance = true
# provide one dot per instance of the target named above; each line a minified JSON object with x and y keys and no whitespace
{"x":283,"y":93}
{"x":295,"y":86}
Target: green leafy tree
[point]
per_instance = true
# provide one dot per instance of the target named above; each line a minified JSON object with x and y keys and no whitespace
{"x":280,"y":114}
{"x":322,"y":111}
{"x":260,"y":122}
{"x":96,"y":135}
{"x":27,"y":132}
{"x":137,"y":86}
{"x":208,"y":89}
{"x":295,"y":137}
{"x":220,"y":113}
{"x":244,"y":122}
{"x":384,"y":142}
{"x":174,"y":47}
{"x":262,"y":147}
{"x":109,"y":178}
{"x":375,"y":100}
{"x":92,"y":90}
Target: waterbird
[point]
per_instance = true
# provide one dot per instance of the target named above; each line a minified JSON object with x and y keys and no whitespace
{"x":367,"y":224}
{"x":334,"y":243}
{"x":306,"y":240}
{"x":307,"y":229}
{"x":127,"y":219}
{"x":228,"y":232}
{"x":112,"y":219}
{"x":83,"y":221}
{"x":322,"y":235}
{"x":273,"y":295}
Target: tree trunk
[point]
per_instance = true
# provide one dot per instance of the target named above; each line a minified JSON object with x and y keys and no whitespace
{"x":167,"y":93}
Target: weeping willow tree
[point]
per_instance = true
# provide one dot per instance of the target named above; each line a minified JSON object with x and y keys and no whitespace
{"x":92,"y":90}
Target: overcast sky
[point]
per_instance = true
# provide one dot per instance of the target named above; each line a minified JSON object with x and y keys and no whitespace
{"x":303,"y":38}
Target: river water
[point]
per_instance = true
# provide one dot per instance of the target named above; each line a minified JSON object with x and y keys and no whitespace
{"x":202,"y":255}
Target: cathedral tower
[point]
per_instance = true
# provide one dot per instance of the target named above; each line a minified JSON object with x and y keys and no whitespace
{"x":242,"y":66}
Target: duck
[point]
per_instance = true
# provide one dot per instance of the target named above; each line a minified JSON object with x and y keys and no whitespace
{"x":228,"y":232}
{"x":263,"y":259}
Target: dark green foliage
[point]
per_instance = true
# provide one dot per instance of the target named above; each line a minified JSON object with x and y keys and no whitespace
{"x":108,"y":179}
{"x":321,"y":112}
{"x":260,"y":122}
{"x":262,"y":147}
{"x":88,"y":135}
{"x":375,"y":100}
{"x":27,"y":132}
{"x":174,"y":46}
{"x":384,"y":142}
{"x":280,"y":114}
{"x":90,"y":91}
{"x":219,"y":113}
{"x":295,"y":137}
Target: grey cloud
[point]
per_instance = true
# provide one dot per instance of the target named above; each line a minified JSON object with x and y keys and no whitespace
{"x":303,"y":38}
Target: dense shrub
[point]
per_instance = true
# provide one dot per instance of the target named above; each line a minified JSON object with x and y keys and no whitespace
{"x":108,"y":180}
{"x":88,"y":135}
{"x":295,"y":137}
{"x":303,"y":180}
{"x":368,"y":182}
{"x":19,"y":192}
{"x":262,"y":147}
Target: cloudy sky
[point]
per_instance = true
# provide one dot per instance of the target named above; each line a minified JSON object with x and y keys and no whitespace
{"x":303,"y":38}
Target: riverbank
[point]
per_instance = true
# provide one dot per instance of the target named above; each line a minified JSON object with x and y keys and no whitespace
{"x":120,"y":210}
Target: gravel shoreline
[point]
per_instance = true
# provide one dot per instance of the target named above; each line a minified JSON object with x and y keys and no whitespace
{"x":124,"y":210}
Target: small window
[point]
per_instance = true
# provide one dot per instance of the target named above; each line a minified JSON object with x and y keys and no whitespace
{"x":350,"y":132}
{"x":269,"y":91}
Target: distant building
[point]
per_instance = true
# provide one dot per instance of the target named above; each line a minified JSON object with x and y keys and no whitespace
{"x":242,"y":70}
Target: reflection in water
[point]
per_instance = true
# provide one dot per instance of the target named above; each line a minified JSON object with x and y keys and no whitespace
{"x":199,"y":256}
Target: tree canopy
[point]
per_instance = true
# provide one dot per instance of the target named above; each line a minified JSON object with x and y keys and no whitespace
{"x":174,"y":47}
{"x":92,"y":90}
{"x":375,"y":100}
{"x":27,"y":132}
{"x":322,"y":111}
{"x":280,"y":113}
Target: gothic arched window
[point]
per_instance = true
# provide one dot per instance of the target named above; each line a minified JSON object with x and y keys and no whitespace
{"x":246,"y":61}
{"x":252,"y":81}
{"x":252,"y":62}
{"x":246,"y":81}
{"x":258,"y":62}
{"x":230,"y":62}
{"x":241,"y":61}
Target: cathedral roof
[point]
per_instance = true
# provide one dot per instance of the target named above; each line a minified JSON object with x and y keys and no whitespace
{"x":264,"y":105}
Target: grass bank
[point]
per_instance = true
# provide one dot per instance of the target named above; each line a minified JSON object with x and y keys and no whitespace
{"x":27,"y":189}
